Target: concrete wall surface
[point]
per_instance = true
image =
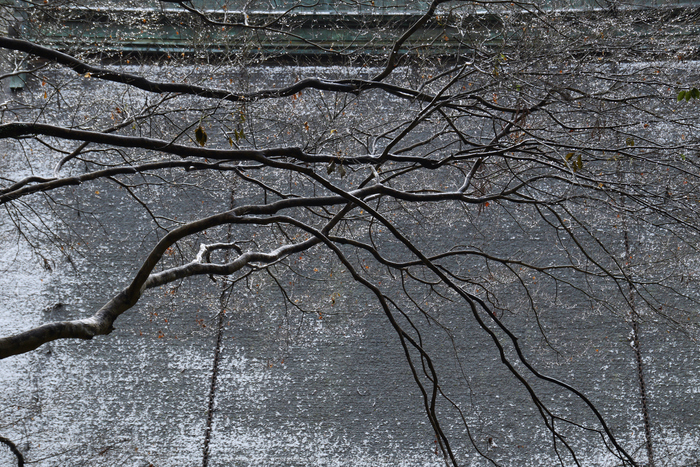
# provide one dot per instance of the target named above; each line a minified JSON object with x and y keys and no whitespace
{"x":324,"y":384}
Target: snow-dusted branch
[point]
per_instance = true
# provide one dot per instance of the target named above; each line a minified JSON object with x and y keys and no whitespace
{"x":102,"y":322}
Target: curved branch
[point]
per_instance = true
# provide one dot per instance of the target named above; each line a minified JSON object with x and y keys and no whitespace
{"x":101,"y":323}
{"x":23,"y":187}
{"x":392,"y":62}
{"x":263,"y":27}
{"x":140,"y":82}
{"x":13,"y":447}
{"x":21,"y":129}
{"x":352,"y":86}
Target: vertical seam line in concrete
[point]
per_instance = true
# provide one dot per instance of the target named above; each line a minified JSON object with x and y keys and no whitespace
{"x":640,"y":362}
{"x":643,"y":394}
{"x":217,"y":357}
{"x":212,"y":389}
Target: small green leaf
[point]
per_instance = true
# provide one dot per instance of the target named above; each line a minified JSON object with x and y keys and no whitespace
{"x":341,"y":170}
{"x":200,"y":135}
{"x":630,"y":141}
{"x":570,"y":155}
{"x":578,"y":163}
{"x":330,"y":168}
{"x":695,"y":93}
{"x":681,"y":96}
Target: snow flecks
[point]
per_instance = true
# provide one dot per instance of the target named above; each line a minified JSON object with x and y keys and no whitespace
{"x":21,"y":282}
{"x":318,"y":446}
